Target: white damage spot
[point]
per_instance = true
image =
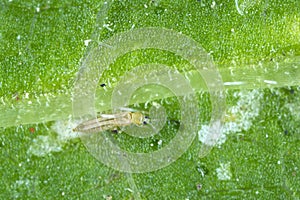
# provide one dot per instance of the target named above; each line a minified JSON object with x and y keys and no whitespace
{"x":223,"y":172}
{"x":43,"y":145}
{"x":26,"y":95}
{"x":210,"y":134}
{"x":86,"y":42}
{"x":64,"y":130}
{"x":213,"y":4}
{"x":238,"y":118}
{"x":46,"y":144}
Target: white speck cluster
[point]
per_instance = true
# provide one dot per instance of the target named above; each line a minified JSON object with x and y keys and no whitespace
{"x":64,"y":130}
{"x":238,"y":118}
{"x":45,"y":144}
{"x":223,"y":172}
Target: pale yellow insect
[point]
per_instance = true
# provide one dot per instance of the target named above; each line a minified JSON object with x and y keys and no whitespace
{"x":111,"y":122}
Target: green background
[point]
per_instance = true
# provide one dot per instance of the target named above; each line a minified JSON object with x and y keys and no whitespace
{"x":42,"y":46}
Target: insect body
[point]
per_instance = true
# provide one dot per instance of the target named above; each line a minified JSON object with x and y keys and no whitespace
{"x":111,"y":122}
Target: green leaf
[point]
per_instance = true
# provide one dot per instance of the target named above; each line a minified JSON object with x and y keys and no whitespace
{"x":253,"y":44}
